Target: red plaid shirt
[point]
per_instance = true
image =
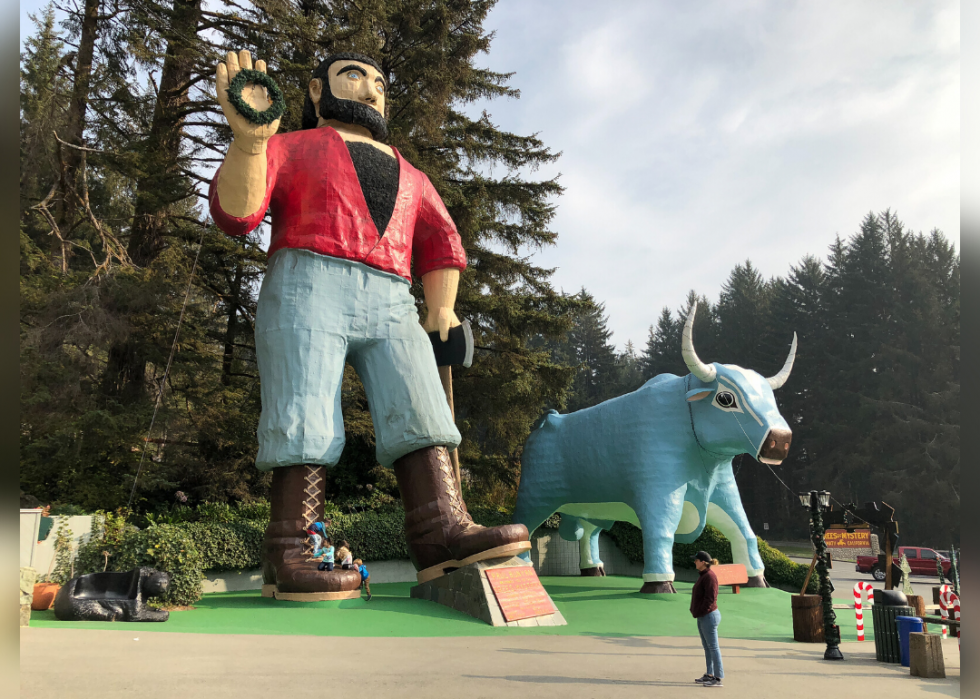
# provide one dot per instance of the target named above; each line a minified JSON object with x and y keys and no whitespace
{"x":317,"y":204}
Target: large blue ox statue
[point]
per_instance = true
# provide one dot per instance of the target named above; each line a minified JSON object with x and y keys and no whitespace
{"x":660,"y":458}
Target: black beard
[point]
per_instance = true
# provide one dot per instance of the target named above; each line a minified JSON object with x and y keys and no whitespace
{"x":353,"y":112}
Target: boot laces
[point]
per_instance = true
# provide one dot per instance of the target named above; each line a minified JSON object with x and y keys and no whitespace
{"x":313,"y":491}
{"x":455,"y":500}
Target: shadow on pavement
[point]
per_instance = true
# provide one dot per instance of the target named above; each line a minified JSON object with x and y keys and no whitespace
{"x":557,"y":679}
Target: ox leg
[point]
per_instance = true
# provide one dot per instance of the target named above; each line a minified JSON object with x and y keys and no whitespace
{"x":659,"y":518}
{"x":588,"y":546}
{"x":532,"y":517}
{"x":725,"y":512}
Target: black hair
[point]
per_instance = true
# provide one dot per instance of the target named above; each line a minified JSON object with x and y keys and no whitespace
{"x":347,"y":111}
{"x":328,"y":540}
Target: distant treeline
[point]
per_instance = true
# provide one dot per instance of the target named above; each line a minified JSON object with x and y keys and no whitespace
{"x":873,"y":400}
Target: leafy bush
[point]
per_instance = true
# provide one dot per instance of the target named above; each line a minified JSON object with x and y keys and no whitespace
{"x":373,"y":536}
{"x":711,"y":540}
{"x":227,"y":545}
{"x":491,"y":516}
{"x":67,"y":510}
{"x":212,"y":512}
{"x":780,"y":571}
{"x":168,"y":547}
{"x":64,"y":555}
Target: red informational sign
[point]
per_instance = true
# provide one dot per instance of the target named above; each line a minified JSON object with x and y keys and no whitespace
{"x":519,"y":593}
{"x":843,"y":539}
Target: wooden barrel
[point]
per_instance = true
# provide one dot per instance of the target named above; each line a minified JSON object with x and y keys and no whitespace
{"x":807,"y":618}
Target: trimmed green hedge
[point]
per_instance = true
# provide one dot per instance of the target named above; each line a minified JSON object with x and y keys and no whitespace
{"x":167,"y":547}
{"x":184,"y":550}
{"x":780,"y":571}
{"x":223,"y":540}
{"x":230,"y":542}
{"x":372,"y":536}
{"x":227,"y":546}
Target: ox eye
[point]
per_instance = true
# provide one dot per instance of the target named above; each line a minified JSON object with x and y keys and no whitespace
{"x":726,"y":399}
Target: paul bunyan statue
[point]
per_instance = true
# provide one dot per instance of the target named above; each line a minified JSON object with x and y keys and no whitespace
{"x":349,"y":217}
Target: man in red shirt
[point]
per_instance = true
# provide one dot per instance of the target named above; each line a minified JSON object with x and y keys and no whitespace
{"x":349,"y":217}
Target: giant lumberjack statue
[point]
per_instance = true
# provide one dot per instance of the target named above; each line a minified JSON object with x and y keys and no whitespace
{"x":349,"y":216}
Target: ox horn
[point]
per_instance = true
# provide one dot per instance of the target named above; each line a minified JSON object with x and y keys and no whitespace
{"x":703,"y":371}
{"x":779,"y":379}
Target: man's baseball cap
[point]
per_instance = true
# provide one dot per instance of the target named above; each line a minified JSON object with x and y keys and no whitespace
{"x":702,"y":556}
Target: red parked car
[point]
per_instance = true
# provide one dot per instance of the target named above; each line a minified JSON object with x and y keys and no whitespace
{"x":922,"y":561}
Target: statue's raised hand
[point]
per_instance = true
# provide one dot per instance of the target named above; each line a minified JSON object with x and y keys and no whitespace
{"x":249,"y":137}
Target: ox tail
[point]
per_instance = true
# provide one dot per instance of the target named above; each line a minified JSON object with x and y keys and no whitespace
{"x":539,"y":423}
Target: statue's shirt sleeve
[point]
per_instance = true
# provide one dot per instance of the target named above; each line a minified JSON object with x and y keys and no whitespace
{"x":239,"y":226}
{"x":436,"y":243}
{"x":317,"y":204}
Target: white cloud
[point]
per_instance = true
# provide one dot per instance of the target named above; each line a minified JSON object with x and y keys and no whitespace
{"x":695,"y":136}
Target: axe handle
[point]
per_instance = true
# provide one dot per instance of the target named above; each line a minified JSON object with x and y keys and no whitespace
{"x":446,"y":376}
{"x":806,"y":583}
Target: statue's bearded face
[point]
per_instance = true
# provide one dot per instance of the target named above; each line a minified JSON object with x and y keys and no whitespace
{"x":354,"y":94}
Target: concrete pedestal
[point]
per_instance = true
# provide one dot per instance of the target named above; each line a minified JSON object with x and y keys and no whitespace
{"x":468,"y":590}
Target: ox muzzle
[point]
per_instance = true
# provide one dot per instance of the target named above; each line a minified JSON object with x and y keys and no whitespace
{"x":776,"y":446}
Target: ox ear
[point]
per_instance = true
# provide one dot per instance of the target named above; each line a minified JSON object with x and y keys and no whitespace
{"x":698,"y":394}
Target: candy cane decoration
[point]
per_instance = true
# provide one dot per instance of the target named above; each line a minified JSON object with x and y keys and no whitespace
{"x":950,"y":600}
{"x":943,"y":611}
{"x":867,"y":589}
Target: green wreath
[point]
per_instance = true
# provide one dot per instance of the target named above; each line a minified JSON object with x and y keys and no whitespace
{"x":250,"y":113}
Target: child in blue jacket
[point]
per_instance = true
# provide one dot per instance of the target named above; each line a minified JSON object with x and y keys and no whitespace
{"x":365,"y":576}
{"x":328,"y":555}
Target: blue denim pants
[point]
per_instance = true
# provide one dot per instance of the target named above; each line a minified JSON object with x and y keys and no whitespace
{"x":315,"y":312}
{"x":708,"y":629}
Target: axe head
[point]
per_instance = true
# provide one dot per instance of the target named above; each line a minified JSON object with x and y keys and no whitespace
{"x":458,"y":349}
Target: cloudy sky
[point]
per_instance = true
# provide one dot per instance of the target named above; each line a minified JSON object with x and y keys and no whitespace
{"x":697,"y":135}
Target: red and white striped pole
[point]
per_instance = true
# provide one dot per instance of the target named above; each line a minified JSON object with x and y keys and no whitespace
{"x":943,"y":607}
{"x":866,"y":589}
{"x":950,"y":601}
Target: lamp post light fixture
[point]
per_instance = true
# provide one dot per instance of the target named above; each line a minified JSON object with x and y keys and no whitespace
{"x":817,"y":502}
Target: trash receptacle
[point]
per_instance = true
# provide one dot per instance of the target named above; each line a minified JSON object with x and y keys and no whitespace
{"x":906,"y":625}
{"x":887,"y":648}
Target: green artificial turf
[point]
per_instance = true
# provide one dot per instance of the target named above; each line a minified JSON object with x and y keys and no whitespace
{"x":610,"y":606}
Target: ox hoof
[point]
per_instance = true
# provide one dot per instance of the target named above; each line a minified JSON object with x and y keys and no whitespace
{"x":592,"y":572}
{"x":757,"y":581}
{"x":657,"y":588}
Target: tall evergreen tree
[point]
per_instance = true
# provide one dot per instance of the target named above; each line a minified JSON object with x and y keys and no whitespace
{"x":660,"y":354}
{"x":630,"y":373}
{"x":597,"y":378}
{"x":154,"y":126}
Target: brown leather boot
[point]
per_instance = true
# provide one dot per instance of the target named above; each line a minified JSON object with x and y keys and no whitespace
{"x":288,"y":567}
{"x":440,"y":532}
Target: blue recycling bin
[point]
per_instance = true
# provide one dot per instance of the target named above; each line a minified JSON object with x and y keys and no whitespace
{"x":907,"y":625}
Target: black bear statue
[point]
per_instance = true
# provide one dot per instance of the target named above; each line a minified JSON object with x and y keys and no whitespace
{"x":112,"y":596}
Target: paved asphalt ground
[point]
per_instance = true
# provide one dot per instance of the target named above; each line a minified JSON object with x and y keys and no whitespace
{"x":138,"y":664}
{"x":844,"y":577}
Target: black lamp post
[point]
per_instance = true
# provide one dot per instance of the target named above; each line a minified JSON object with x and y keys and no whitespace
{"x":817,"y":502}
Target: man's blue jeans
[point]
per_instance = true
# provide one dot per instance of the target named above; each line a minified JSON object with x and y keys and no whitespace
{"x":708,"y":628}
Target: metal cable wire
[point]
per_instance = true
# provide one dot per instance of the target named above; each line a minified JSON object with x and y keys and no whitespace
{"x":166,"y":373}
